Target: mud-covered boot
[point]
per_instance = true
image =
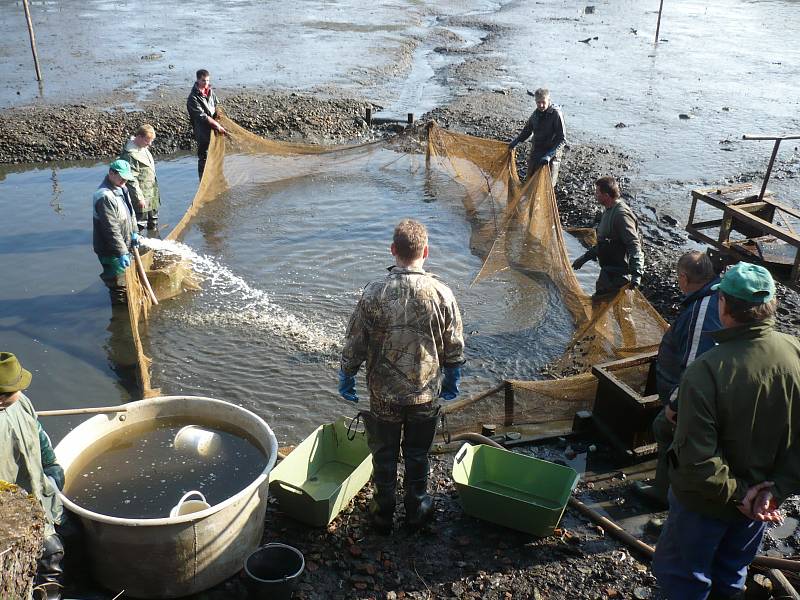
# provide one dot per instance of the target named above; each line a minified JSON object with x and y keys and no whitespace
{"x":383,"y":438}
{"x":49,"y":573}
{"x":418,"y":437}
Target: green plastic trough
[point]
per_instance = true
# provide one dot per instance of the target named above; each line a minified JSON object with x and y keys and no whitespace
{"x":320,"y":477}
{"x":513,"y":490}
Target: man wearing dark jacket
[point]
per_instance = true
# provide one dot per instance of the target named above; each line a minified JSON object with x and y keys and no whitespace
{"x":202,"y":107}
{"x":689,"y":336}
{"x":114,"y":228}
{"x":549,"y":136}
{"x":736,"y":453}
{"x":618,"y":249}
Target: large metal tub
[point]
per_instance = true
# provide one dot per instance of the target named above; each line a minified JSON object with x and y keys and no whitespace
{"x":172,"y":557}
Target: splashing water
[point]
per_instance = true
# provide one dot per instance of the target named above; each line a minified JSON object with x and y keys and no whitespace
{"x":231,"y":302}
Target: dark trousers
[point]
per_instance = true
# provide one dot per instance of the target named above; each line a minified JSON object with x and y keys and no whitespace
{"x":664,"y":432}
{"x":697,"y":555}
{"x":386,"y":435}
{"x":203,"y":142}
{"x":148,"y":219}
{"x":114,"y":278}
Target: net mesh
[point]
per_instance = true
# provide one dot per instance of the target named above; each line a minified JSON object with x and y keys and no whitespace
{"x":515,"y":225}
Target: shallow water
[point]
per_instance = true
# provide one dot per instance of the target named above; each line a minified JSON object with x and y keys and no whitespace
{"x":284,"y":265}
{"x":143,"y":474}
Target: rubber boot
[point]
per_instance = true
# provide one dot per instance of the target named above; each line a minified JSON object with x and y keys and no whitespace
{"x":418,"y":437}
{"x":49,"y":574}
{"x":383,"y":438}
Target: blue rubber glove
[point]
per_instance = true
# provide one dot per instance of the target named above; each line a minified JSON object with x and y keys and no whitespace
{"x":125,"y":261}
{"x":347,"y":387}
{"x":452,"y":375}
{"x":135,"y":241}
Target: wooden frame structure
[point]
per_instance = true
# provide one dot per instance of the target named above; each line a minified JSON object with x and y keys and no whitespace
{"x":623,"y":410}
{"x":766,"y":235}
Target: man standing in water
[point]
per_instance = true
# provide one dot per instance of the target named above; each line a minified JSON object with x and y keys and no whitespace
{"x":202,"y":107}
{"x":549,"y":136}
{"x":408,"y":329}
{"x":143,"y":189}
{"x":618,"y":249}
{"x":114,"y":224}
{"x":27,"y":460}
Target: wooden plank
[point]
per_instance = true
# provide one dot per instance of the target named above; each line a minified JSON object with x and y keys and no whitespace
{"x":765,"y":226}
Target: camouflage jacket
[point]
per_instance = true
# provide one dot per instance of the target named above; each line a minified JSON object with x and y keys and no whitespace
{"x":406,"y":327}
{"x":144,"y":189}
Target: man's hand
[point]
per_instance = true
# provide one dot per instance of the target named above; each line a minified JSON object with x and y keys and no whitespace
{"x":125,"y":261}
{"x":512,"y":144}
{"x":449,"y":391}
{"x":636,"y":283}
{"x":221,"y":130}
{"x":759,"y":504}
{"x":135,"y":241}
{"x":347,"y":387}
{"x":672,"y":416}
{"x":544,"y":160}
{"x":579,"y":262}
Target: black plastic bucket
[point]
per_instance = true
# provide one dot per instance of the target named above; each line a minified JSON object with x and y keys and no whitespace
{"x":272,"y":571}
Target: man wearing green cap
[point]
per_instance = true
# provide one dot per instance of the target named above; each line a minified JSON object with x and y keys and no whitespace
{"x":27,"y":460}
{"x":115,"y":230}
{"x":736,"y":453}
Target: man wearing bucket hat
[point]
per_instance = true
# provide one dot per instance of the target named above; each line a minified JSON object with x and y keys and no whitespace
{"x":115,"y":230}
{"x":736,"y":454}
{"x":407,"y":327}
{"x":27,"y":460}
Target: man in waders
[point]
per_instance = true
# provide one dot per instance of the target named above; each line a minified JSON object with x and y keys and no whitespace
{"x":202,"y":107}
{"x":549,"y":136}
{"x":27,"y":460}
{"x":143,"y":189}
{"x":736,"y":453}
{"x":114,"y":228}
{"x":407,"y":327}
{"x":689,"y":336}
{"x":618,"y":247}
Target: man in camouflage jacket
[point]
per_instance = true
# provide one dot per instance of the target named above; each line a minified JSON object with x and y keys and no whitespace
{"x":143,"y":189}
{"x":407,"y":328}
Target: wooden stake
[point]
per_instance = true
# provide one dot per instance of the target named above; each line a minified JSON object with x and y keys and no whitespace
{"x":33,"y":40}
{"x":658,"y":24}
{"x":96,"y":410}
{"x":143,"y":276}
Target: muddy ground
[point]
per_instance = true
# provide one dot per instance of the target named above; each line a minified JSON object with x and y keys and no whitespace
{"x":457,"y":556}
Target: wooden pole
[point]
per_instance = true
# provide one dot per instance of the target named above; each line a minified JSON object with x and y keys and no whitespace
{"x":33,"y":40}
{"x":143,"y":276}
{"x":658,"y":23}
{"x":96,"y":410}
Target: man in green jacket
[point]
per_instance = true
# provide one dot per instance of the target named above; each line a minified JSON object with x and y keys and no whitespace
{"x":27,"y":460}
{"x":736,"y":453}
{"x":143,"y":188}
{"x":618,"y":248}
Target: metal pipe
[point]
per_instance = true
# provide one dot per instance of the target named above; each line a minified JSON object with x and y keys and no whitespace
{"x":778,"y":139}
{"x":82,"y":411}
{"x":779,"y":580}
{"x":33,"y":39}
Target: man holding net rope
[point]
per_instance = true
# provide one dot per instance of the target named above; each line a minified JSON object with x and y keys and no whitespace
{"x":202,"y":108}
{"x":546,"y":124}
{"x":618,"y":248}
{"x":407,"y":328}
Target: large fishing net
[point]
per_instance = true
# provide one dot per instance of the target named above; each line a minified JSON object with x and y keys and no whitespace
{"x":514,"y":226}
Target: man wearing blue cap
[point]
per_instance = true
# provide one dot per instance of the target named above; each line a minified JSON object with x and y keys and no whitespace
{"x":735,"y":456}
{"x":114,"y":228}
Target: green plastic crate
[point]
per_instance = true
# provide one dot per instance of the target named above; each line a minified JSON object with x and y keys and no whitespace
{"x":320,"y":477}
{"x":513,"y":490}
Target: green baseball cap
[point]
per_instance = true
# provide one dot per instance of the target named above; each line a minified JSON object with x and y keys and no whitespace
{"x":123,"y":169}
{"x":13,"y":378}
{"x":748,"y":282}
